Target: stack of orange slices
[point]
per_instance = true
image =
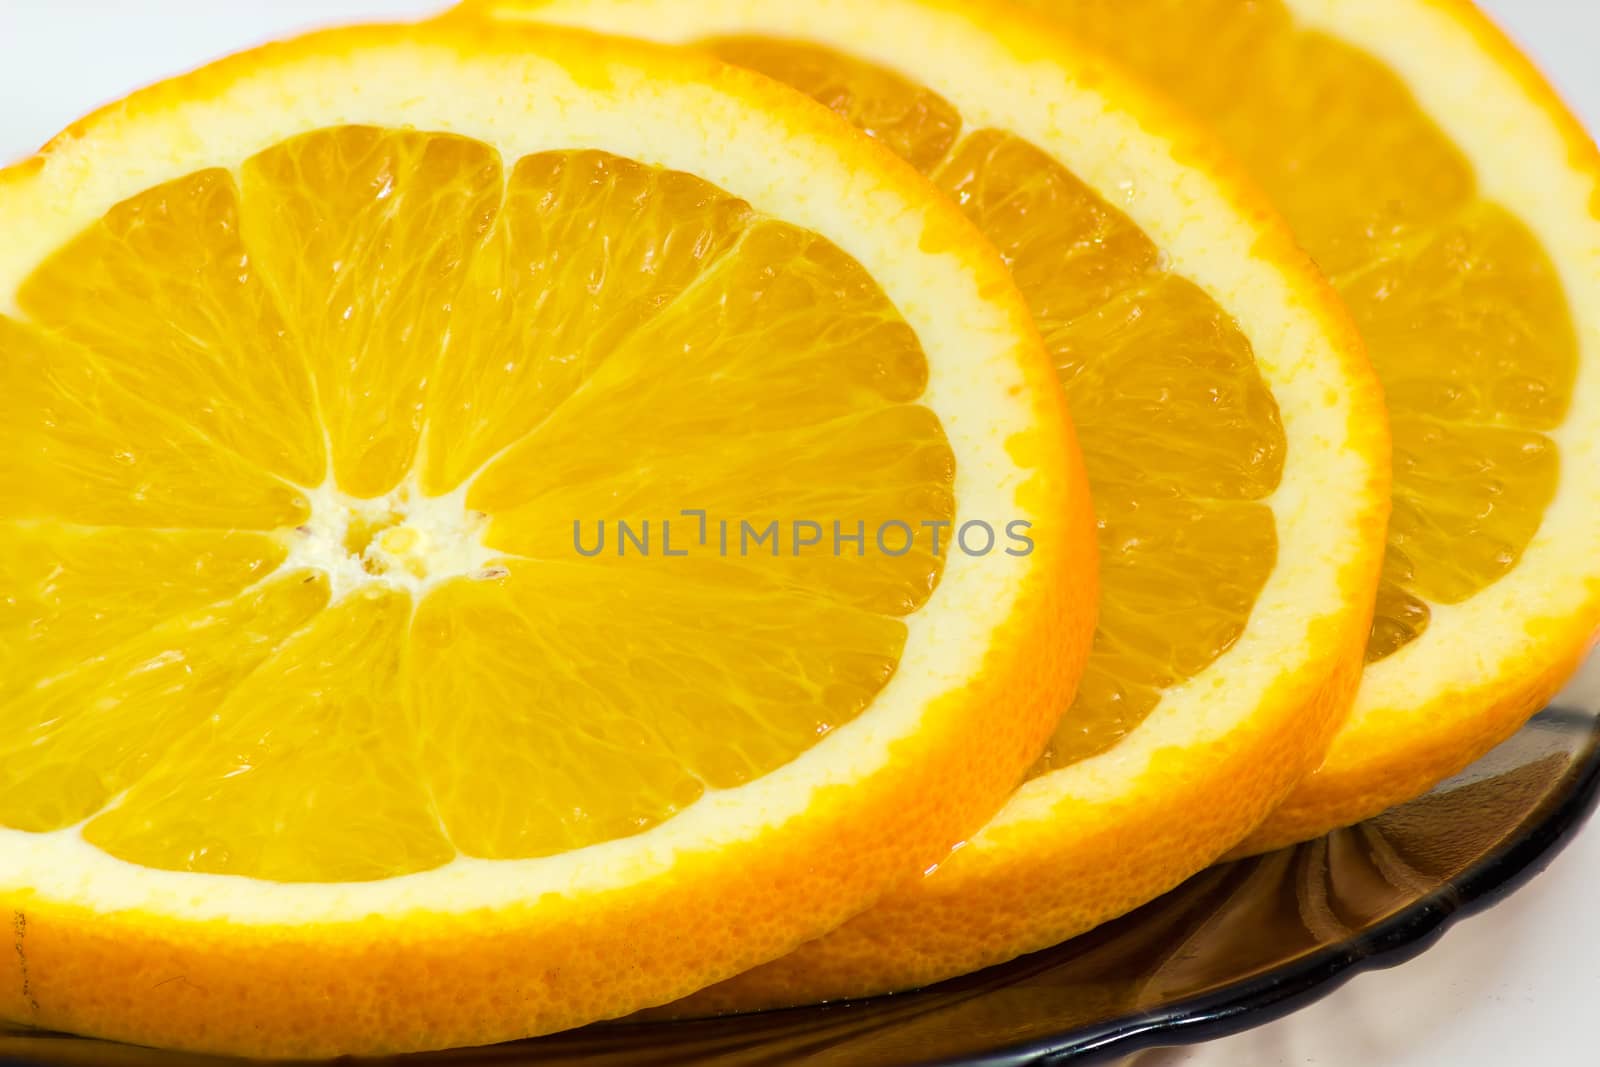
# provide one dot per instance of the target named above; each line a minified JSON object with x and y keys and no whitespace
{"x":508,"y":525}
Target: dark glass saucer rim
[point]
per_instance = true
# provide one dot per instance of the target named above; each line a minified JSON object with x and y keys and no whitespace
{"x":1262,"y":998}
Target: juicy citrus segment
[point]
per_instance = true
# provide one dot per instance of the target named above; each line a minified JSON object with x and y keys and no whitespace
{"x":82,"y":449}
{"x":1466,"y":321}
{"x":1181,"y":435}
{"x":1472,"y":500}
{"x":669,"y":351}
{"x":745,"y":347}
{"x":164,"y":293}
{"x":524,"y":680}
{"x":1479,"y":354}
{"x":364,"y":235}
{"x":1069,"y":250}
{"x":304,"y":768}
{"x":813,"y":409}
{"x":73,"y":741}
{"x":587,"y":248}
{"x":917,"y":123}
{"x":552,"y":719}
{"x":1187,"y":538}
{"x":1325,"y":141}
{"x":878,"y":545}
{"x":63,"y":583}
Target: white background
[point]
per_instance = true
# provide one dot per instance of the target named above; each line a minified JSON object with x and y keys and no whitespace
{"x":1518,"y":985}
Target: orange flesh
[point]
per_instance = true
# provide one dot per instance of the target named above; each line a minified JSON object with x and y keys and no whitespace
{"x":1179,"y":432}
{"x":1465,"y":319}
{"x":382,"y":322}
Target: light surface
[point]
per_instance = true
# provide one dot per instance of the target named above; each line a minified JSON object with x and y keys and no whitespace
{"x":1514,"y":985}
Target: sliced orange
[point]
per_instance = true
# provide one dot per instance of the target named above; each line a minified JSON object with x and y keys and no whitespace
{"x":1453,"y":200}
{"x":322,"y":730}
{"x":1234,"y":436}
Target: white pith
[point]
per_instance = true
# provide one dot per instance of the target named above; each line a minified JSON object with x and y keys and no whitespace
{"x":422,"y":541}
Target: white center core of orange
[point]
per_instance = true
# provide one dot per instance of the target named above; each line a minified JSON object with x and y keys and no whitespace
{"x":403,"y":540}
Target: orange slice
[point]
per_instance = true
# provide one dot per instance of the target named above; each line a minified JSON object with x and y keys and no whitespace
{"x":1235,"y":442}
{"x":324,"y":725}
{"x":1453,"y":201}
